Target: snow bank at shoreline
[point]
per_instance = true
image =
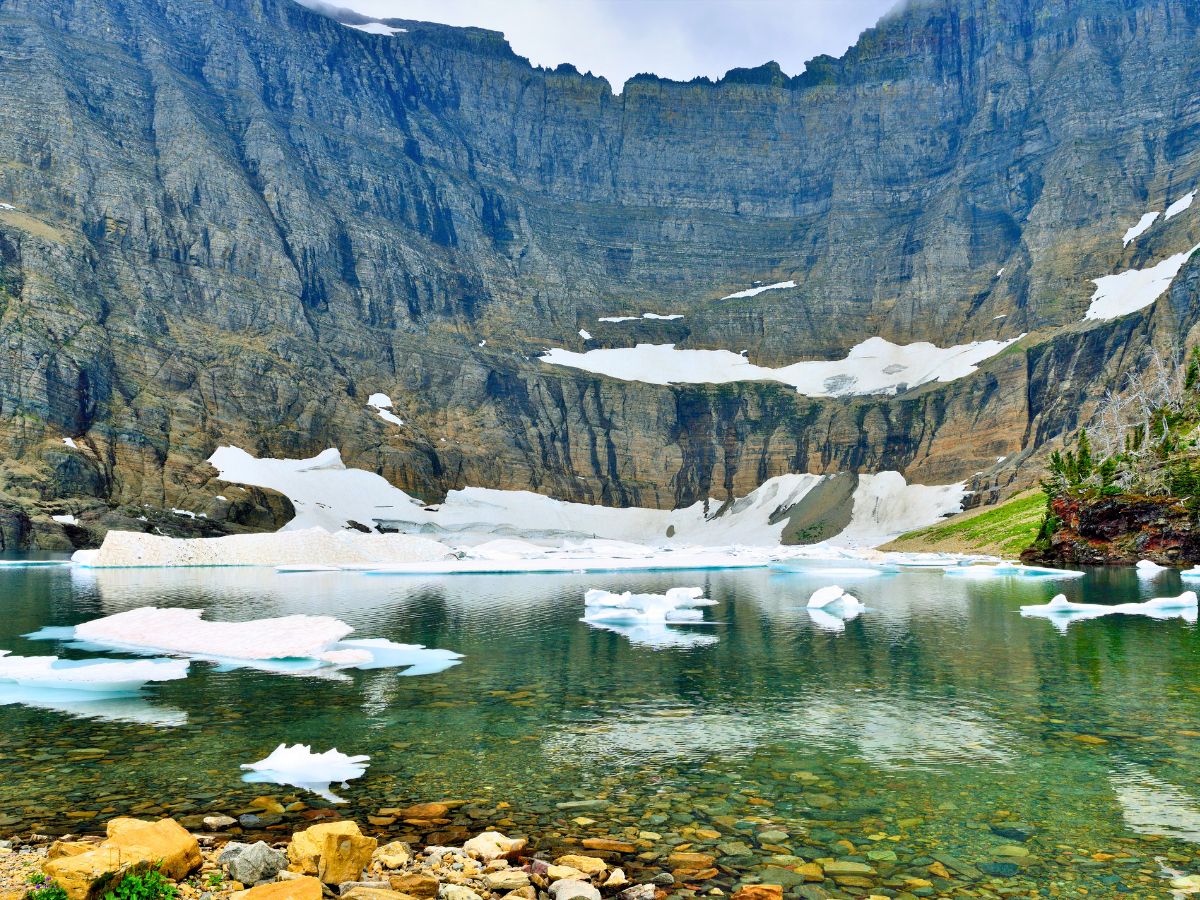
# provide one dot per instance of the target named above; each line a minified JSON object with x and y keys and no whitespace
{"x":312,"y":546}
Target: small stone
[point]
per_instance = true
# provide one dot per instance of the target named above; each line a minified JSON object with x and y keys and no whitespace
{"x":573,"y":889}
{"x":616,"y":878}
{"x":759,"y":892}
{"x":423,"y":811}
{"x":423,"y":887}
{"x":811,"y":872}
{"x":304,"y":887}
{"x":456,"y":892}
{"x":665,"y":879}
{"x":773,"y":836}
{"x":637,"y":892}
{"x":847,"y":867}
{"x":267,"y":804}
{"x":393,"y":855}
{"x":252,"y":863}
{"x":589,"y":865}
{"x":558,"y":873}
{"x":363,"y":892}
{"x":218,"y":823}
{"x":344,"y":856}
{"x":508,"y":880}
{"x":494,"y":845}
{"x":609,"y":845}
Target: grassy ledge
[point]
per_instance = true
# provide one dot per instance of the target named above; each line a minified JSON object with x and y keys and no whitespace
{"x":1002,"y":530}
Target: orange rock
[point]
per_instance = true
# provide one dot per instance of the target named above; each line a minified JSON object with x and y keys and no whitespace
{"x":609,"y":844}
{"x":424,"y":811}
{"x":939,"y":870}
{"x":760,"y":892}
{"x":165,"y":844}
{"x":304,"y":888}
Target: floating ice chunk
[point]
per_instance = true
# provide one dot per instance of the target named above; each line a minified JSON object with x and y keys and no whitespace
{"x":755,"y":291}
{"x":298,"y":766}
{"x":676,"y":605}
{"x":85,"y":557}
{"x":834,"y":596}
{"x":417,"y":659}
{"x":382,"y":404}
{"x":1126,"y":292}
{"x":101,"y":676}
{"x":1142,"y":226}
{"x":1179,"y":205}
{"x":643,"y":617}
{"x":1063,"y":612}
{"x":1193,"y":572}
{"x":1148,"y":569}
{"x":287,"y":644}
{"x":32,"y":563}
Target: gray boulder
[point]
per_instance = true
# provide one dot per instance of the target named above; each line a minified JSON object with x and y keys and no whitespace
{"x":252,"y":863}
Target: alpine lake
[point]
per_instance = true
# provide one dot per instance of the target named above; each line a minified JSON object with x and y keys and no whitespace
{"x":939,"y":732}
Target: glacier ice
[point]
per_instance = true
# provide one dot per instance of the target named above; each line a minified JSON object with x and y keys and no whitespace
{"x":299,"y":767}
{"x":643,"y":618}
{"x":285,"y":644}
{"x":1062,"y":612}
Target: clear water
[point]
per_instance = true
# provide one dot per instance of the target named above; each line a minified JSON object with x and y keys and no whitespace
{"x":939,"y":722}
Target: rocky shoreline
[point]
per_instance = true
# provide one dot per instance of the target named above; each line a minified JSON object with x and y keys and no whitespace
{"x":231,"y":858}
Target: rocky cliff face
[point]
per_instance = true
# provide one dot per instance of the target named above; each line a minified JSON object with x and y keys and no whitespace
{"x":234,"y":220}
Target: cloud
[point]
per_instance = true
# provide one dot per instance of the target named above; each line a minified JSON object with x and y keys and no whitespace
{"x":677,"y":39}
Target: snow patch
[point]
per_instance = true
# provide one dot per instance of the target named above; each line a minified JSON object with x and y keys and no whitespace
{"x":65,"y":519}
{"x":1179,"y":205}
{"x":70,"y":442}
{"x":666,"y":318}
{"x":298,"y":766}
{"x":377,"y":28}
{"x":1126,"y":292}
{"x":755,"y":291}
{"x":7,"y":207}
{"x":1142,"y":226}
{"x":876,"y":366}
{"x":382,"y":404}
{"x":324,"y":492}
{"x":586,"y":335}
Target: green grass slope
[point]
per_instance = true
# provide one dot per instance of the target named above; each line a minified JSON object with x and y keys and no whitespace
{"x":1002,"y":530}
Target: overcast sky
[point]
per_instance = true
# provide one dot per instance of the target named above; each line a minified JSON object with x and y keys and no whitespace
{"x":677,"y":39}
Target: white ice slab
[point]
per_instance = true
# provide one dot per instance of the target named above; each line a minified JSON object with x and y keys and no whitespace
{"x":298,"y":644}
{"x":1126,"y":292}
{"x":377,"y":28}
{"x":298,"y":766}
{"x":676,"y":605}
{"x":876,"y":366}
{"x":661,"y":318}
{"x":1062,"y":612}
{"x":1149,"y":569}
{"x":834,"y":596}
{"x":113,"y":677}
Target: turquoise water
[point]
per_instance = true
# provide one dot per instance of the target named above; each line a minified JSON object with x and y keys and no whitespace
{"x":940,"y":723}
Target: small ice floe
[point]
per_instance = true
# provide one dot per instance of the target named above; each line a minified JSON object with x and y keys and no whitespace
{"x":32,"y":563}
{"x":93,"y":675}
{"x":643,"y":618}
{"x":1149,"y":569}
{"x":1062,"y":612}
{"x":830,"y":608}
{"x":286,"y":645}
{"x":298,"y":766}
{"x":1009,"y":570}
{"x":382,"y":404}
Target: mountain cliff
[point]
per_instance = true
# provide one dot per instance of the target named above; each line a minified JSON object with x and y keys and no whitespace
{"x":233,"y":221}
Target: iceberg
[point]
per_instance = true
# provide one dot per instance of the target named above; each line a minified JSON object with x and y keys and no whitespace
{"x":676,"y":605}
{"x":643,"y":618}
{"x":298,"y":766}
{"x":1148,"y":569}
{"x":1062,"y":612}
{"x":285,"y":644}
{"x":834,"y":595}
{"x":99,"y":675}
